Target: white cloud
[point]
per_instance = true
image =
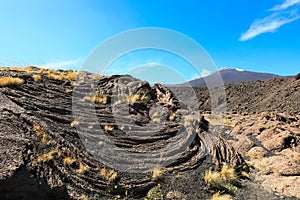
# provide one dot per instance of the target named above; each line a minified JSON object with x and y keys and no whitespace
{"x":62,"y":64}
{"x":286,"y":4}
{"x":239,"y":69}
{"x":151,"y":64}
{"x":205,"y":72}
{"x":280,"y":16}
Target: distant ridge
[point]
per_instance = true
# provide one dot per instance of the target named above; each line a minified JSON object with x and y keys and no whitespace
{"x":232,"y":76}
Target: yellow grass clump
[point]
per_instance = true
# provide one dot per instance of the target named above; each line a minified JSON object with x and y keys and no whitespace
{"x":172,"y":116}
{"x":228,"y":174}
{"x":39,"y":133}
{"x":99,"y":97}
{"x":37,"y":77}
{"x":68,"y":160}
{"x":8,"y":80}
{"x":218,"y":196}
{"x":46,"y":157}
{"x":71,"y":75}
{"x":20,"y":69}
{"x":74,"y":123}
{"x":157,"y":173}
{"x":138,"y":97}
{"x":225,"y":179}
{"x":213,"y":178}
{"x":109,"y":175}
{"x":82,"y":168}
{"x":68,"y":90}
{"x":97,"y":76}
{"x":37,"y":129}
{"x":56,"y":76}
{"x":108,"y":127}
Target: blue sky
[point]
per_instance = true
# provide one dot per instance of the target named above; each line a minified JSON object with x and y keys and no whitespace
{"x":253,"y":35}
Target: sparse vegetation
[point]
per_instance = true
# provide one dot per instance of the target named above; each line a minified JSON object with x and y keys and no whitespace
{"x":139,"y":97}
{"x":61,"y":75}
{"x":68,"y":90}
{"x":213,"y":179}
{"x":99,"y":97}
{"x":218,"y":196}
{"x":172,"y":116}
{"x":68,"y":160}
{"x":56,"y":76}
{"x":109,"y":175}
{"x":39,"y":133}
{"x":97,"y":76}
{"x":245,"y":174}
{"x":157,"y":173}
{"x":19,"y":69}
{"x":46,"y":157}
{"x":74,"y":123}
{"x":71,"y":75}
{"x":107,"y":127}
{"x":36,"y":77}
{"x":224,"y":180}
{"x":82,"y":168}
{"x":8,"y":81}
{"x":84,"y":197}
{"x":155,"y":193}
{"x":37,"y":129}
{"x":228,"y":174}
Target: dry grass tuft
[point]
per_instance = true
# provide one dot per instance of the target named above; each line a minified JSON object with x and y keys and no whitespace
{"x":97,"y":76}
{"x":109,"y":175}
{"x":99,"y":97}
{"x":228,"y":174}
{"x":46,"y":157}
{"x":59,"y":77}
{"x":245,"y":174}
{"x":74,"y":123}
{"x":82,"y":168}
{"x":218,"y":196}
{"x":225,"y":179}
{"x":36,"y":77}
{"x":157,"y":173}
{"x":68,"y":90}
{"x":84,"y":197}
{"x":108,"y":127}
{"x":172,"y":116}
{"x":19,"y":69}
{"x":39,"y":133}
{"x":8,"y":80}
{"x":71,"y":75}
{"x":139,"y":97}
{"x":213,"y":178}
{"x":37,"y":129}
{"x":68,"y":160}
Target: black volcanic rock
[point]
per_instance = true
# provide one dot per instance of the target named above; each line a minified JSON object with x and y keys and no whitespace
{"x":45,"y":156}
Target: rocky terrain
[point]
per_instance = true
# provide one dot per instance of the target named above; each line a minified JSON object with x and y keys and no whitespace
{"x":70,"y":135}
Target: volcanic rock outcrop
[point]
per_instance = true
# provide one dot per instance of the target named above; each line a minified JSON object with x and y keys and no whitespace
{"x":94,"y":138}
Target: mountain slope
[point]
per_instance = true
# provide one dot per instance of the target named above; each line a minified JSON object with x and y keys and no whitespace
{"x":232,"y":76}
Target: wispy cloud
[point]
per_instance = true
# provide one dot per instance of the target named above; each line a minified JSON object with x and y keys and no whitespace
{"x":61,"y":64}
{"x":282,"y":14}
{"x":205,"y":72}
{"x":286,"y":4}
